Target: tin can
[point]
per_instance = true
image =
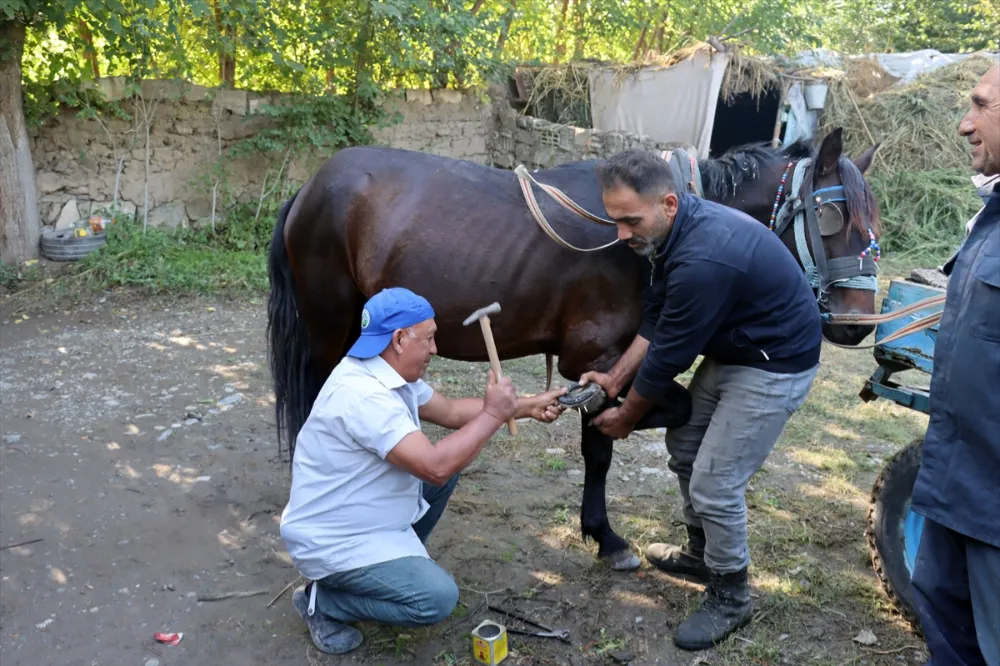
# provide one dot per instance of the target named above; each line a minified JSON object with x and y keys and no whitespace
{"x":489,"y":643}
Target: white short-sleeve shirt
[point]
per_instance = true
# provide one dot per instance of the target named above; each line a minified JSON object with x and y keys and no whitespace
{"x":348,"y":507}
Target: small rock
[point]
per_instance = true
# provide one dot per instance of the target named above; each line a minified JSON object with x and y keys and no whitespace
{"x":190,"y":422}
{"x":204,"y":478}
{"x":651,"y":471}
{"x":796,"y":571}
{"x":193,"y":414}
{"x":555,"y":452}
{"x":166,"y":433}
{"x":231,"y":399}
{"x":783,"y":637}
{"x":43,"y":625}
{"x":866,"y":637}
{"x":12,"y":438}
{"x":638,"y":619}
{"x":621,"y":656}
{"x":152,"y":662}
{"x":574,"y":472}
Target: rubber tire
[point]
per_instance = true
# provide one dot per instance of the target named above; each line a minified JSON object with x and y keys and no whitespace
{"x":888,"y":507}
{"x":62,"y":245}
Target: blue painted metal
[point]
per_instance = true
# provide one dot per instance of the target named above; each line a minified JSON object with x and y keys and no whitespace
{"x":915,"y":351}
{"x":913,"y":528}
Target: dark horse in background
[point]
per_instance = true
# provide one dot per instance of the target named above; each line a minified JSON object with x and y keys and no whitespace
{"x":461,"y":235}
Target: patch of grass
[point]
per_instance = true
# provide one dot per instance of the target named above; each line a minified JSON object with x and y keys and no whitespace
{"x":555,"y":463}
{"x":181,"y":261}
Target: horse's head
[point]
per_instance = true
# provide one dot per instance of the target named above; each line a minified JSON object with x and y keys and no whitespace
{"x":831,"y":223}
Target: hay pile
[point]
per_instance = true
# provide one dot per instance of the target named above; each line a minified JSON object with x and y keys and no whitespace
{"x":921,"y":175}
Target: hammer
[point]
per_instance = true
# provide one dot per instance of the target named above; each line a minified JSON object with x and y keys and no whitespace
{"x":483,"y":315}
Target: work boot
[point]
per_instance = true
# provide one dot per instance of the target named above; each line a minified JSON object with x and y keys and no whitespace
{"x":725,"y":608}
{"x":328,"y":635}
{"x":686,"y":560}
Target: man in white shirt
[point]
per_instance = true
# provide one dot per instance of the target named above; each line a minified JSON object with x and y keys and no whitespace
{"x":368,"y":486}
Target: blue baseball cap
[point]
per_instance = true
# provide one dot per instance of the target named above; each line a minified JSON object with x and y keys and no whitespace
{"x":384,"y":313}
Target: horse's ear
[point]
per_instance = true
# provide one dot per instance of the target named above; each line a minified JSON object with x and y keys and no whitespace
{"x":864,"y":162}
{"x":829,"y":152}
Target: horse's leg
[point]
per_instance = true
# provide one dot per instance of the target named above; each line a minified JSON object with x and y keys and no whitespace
{"x":597,"y":449}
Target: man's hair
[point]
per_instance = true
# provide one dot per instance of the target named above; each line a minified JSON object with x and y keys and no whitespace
{"x":643,"y":172}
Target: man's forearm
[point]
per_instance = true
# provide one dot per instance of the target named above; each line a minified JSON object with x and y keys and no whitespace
{"x":456,"y":451}
{"x":628,"y":365}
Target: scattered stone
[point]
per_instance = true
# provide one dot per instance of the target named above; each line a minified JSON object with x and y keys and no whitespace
{"x":866,"y":637}
{"x":43,"y":625}
{"x":574,"y":472}
{"x":166,"y":433}
{"x":783,"y":637}
{"x":68,"y":216}
{"x":12,"y":438}
{"x":152,"y":662}
{"x":204,"y":478}
{"x":555,"y":452}
{"x":191,"y":422}
{"x":621,"y":656}
{"x":638,"y":619}
{"x":232,"y":399}
{"x":651,"y":471}
{"x":796,"y":571}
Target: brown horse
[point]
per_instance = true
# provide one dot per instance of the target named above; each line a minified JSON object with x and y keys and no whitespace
{"x":461,"y":235}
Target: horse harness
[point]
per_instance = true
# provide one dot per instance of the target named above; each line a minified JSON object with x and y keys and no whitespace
{"x":822,"y":273}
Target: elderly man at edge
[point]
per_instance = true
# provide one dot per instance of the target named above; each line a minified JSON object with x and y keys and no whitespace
{"x":956,"y":576}
{"x":368,"y":486}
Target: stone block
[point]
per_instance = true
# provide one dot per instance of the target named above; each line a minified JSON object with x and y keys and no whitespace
{"x":419,"y":96}
{"x":448,"y":96}
{"x":195,"y":93}
{"x":125,"y":208}
{"x":231,"y":100}
{"x":170,"y":215}
{"x":112,"y":87}
{"x":182,"y":128}
{"x":47,"y":181}
{"x":68,"y":216}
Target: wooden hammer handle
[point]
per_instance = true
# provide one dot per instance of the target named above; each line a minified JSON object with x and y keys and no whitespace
{"x":491,"y":349}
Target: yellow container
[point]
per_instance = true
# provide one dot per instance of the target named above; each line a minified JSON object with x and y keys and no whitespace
{"x":489,"y":643}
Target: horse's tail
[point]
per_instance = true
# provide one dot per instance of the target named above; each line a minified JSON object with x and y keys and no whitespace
{"x":288,"y":339}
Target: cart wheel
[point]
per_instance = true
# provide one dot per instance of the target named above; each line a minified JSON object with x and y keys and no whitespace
{"x":62,"y":245}
{"x":893,"y":530}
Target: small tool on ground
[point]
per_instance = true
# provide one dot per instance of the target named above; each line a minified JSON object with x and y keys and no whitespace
{"x":547,"y":632}
{"x":482,"y":315}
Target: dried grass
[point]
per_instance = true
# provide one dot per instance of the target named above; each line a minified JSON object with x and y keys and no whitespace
{"x":922,"y":177}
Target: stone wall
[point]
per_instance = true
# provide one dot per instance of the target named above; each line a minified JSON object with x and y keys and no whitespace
{"x":540,"y":144}
{"x":76,"y":159}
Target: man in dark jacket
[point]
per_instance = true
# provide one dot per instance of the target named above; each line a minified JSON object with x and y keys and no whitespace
{"x":722,"y":285}
{"x":956,"y":576}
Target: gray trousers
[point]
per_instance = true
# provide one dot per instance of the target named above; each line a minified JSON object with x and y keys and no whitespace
{"x":736,"y":418}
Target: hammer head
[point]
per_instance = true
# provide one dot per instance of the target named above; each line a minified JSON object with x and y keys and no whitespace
{"x":493,"y":308}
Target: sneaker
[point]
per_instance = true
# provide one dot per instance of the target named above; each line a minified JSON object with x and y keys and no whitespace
{"x":328,"y":635}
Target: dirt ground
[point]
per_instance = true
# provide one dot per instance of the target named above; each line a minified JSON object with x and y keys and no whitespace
{"x":138,"y":447}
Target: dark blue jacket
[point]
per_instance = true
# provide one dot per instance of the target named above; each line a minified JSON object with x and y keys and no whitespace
{"x":723,"y":285}
{"x":959,"y":481}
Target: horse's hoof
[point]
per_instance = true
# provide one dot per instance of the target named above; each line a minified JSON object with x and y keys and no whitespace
{"x":623,"y":560}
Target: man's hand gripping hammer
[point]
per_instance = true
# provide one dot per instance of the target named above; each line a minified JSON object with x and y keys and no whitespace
{"x":483,"y":316}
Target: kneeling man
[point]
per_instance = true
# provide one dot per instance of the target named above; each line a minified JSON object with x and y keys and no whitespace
{"x":368,"y":486}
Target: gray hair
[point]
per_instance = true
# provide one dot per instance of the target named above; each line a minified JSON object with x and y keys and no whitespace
{"x":643,"y":172}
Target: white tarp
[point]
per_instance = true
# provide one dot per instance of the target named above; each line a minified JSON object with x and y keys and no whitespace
{"x":674,"y":104}
{"x":904,"y":66}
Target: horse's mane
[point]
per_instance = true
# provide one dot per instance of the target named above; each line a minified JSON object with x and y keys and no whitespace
{"x":723,"y":175}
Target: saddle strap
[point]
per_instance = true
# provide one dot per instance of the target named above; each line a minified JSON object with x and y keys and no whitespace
{"x":525,"y":180}
{"x":684,"y":165}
